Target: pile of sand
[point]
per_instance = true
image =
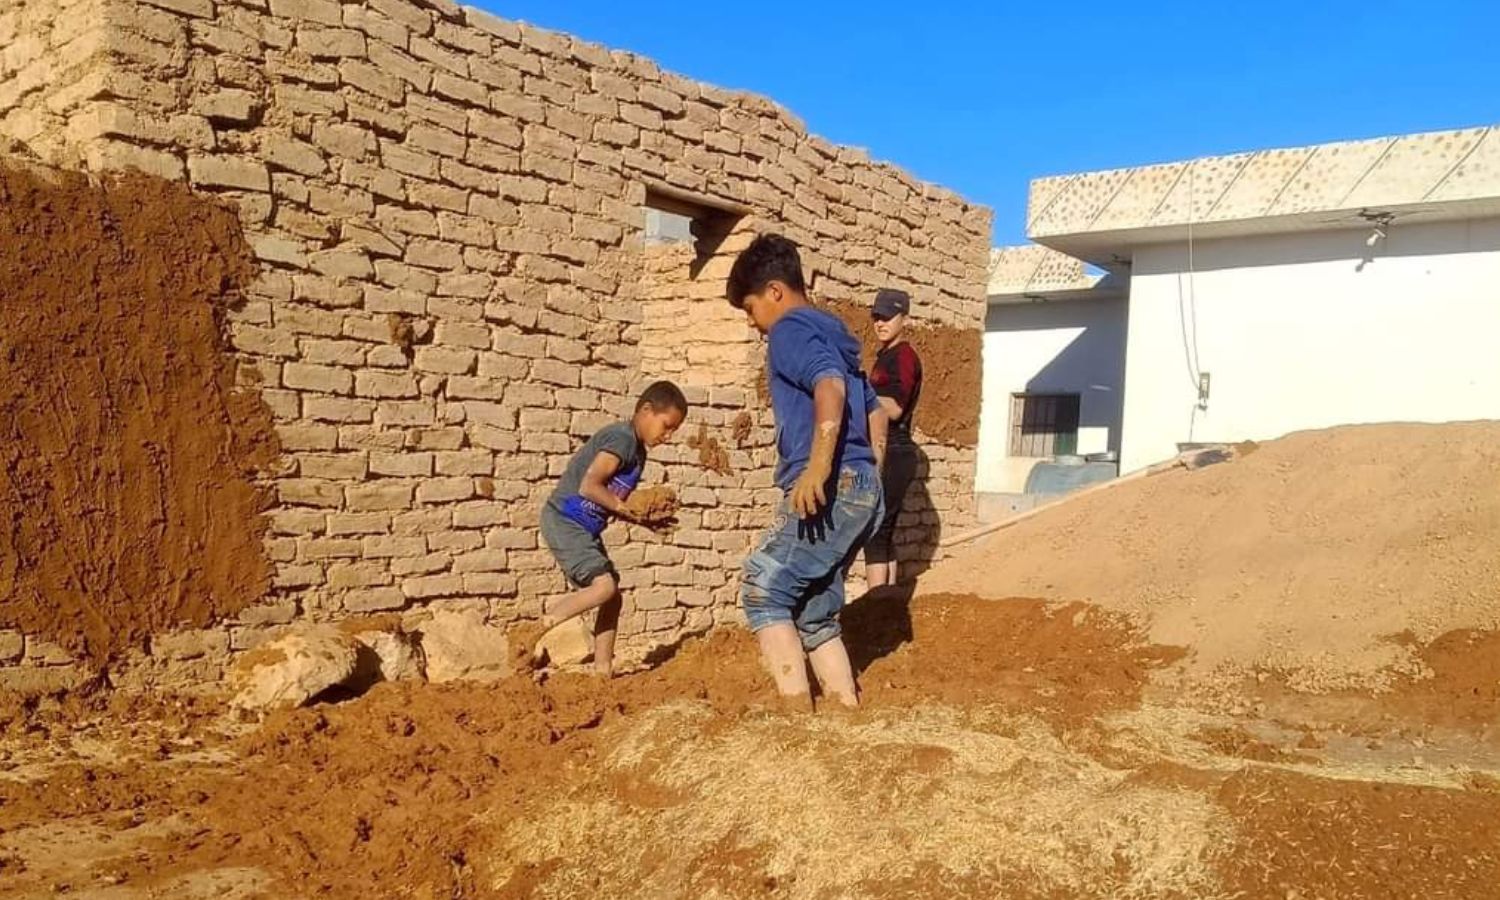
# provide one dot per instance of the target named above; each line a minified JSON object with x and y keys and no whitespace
{"x":1332,"y":556}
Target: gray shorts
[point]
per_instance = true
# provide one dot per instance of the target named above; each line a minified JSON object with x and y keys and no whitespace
{"x":580,"y":554}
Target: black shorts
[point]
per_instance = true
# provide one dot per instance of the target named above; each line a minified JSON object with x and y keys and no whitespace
{"x":901,"y":462}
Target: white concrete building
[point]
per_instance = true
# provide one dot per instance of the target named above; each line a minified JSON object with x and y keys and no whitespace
{"x":1246,"y":297}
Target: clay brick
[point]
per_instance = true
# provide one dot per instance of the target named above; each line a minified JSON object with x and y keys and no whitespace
{"x":338,"y":409}
{"x":480,"y":514}
{"x":298,"y":576}
{"x":492,"y":157}
{"x":409,"y":162}
{"x":370,"y":437}
{"x":406,"y":12}
{"x":442,"y":438}
{"x":375,"y":179}
{"x":445,"y":490}
{"x":228,"y":106}
{"x":455,"y":541}
{"x":386,"y":546}
{"x":359,"y":523}
{"x":553,"y":372}
{"x":424,"y":521}
{"x":292,"y":154}
{"x":326,"y":12}
{"x":228,"y":172}
{"x":489,"y":560}
{"x":342,"y":263}
{"x":307,"y":436}
{"x":308,"y":492}
{"x":393,"y":61}
{"x":436,"y":140}
{"x":281,"y":612}
{"x":202,"y":9}
{"x":434,"y":254}
{"x":421,"y":565}
{"x":376,"y":25}
{"x":358,"y":575}
{"x":466,"y":230}
{"x":378,"y":599}
{"x":444,"y":360}
{"x":372,"y":80}
{"x":401,"y":464}
{"x":384,"y":384}
{"x":465,"y":462}
{"x":379,"y":495}
{"x":518,"y":106}
{"x":427,"y":586}
{"x":440,"y":196}
{"x":475,"y":335}
{"x":431,"y":52}
{"x":373,"y":242}
{"x":406,"y":413}
{"x":342,"y":466}
{"x":381,"y":300}
{"x":663,"y":620}
{"x":298,"y":521}
{"x":493,"y":438}
{"x":331,"y":43}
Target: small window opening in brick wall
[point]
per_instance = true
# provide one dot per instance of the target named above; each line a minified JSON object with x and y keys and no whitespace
{"x":674,"y":216}
{"x":1043,"y":425}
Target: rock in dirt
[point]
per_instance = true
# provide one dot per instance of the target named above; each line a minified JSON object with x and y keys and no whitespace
{"x":389,"y":656}
{"x":567,"y":644}
{"x":460,"y":646}
{"x":295,"y":668}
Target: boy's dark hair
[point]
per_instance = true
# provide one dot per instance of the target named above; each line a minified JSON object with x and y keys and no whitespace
{"x":769,"y":258}
{"x":662,"y":395}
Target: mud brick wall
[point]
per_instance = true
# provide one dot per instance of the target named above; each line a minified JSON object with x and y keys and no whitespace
{"x":456,"y":287}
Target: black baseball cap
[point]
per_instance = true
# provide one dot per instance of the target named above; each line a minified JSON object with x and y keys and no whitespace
{"x":890,"y":302}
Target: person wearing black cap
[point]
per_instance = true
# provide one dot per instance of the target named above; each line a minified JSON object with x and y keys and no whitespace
{"x":897,"y":378}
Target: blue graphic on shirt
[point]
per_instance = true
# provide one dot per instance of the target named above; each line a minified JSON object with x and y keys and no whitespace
{"x":590,"y":515}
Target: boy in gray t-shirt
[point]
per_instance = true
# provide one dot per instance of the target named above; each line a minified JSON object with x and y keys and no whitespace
{"x":598,"y":483}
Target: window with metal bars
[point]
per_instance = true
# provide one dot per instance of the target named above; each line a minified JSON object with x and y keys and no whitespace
{"x":1043,"y":425}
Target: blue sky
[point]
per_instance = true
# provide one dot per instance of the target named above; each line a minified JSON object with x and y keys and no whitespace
{"x":984,"y":96}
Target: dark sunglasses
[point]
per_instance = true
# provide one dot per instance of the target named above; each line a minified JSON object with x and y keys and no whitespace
{"x":882,"y":317}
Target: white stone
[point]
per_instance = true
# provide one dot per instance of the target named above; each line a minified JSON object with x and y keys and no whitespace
{"x":293,"y":669}
{"x":459,"y":646}
{"x":568,"y":644}
{"x":396,"y":657}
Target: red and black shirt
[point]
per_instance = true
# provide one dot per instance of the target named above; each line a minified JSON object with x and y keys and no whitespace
{"x":897,"y":374}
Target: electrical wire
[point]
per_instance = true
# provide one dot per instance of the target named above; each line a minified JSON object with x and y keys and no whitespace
{"x":1187,"y":309}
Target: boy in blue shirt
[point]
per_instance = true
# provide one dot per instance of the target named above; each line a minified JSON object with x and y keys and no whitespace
{"x":830,"y":435}
{"x":599,"y":483}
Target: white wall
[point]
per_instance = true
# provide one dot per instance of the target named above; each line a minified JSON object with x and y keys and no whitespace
{"x":1312,"y":330}
{"x":1069,"y":346}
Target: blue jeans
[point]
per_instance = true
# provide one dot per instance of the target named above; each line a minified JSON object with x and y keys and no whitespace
{"x":796,"y":574}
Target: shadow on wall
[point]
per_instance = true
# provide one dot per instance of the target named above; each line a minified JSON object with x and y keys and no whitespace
{"x":1091,"y":364}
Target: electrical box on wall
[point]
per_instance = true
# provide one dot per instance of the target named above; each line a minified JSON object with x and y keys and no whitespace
{"x":1203,"y":383}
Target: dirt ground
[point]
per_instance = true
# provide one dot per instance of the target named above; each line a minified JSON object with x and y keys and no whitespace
{"x":1007,"y":748}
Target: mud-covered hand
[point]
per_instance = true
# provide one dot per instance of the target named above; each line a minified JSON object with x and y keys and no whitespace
{"x":651,"y":506}
{"x":810,"y":492}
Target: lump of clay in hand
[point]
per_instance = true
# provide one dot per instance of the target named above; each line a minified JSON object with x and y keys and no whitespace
{"x":657,"y":503}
